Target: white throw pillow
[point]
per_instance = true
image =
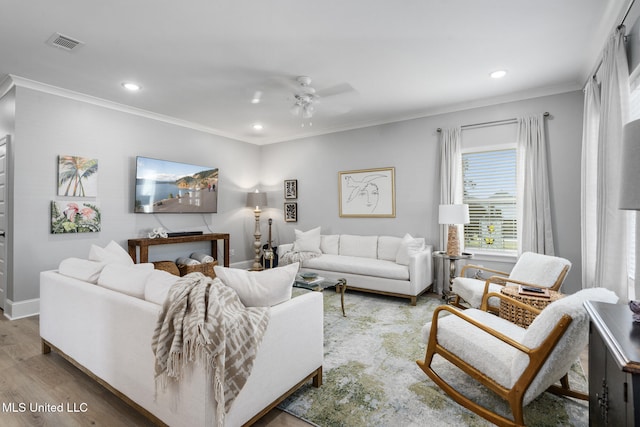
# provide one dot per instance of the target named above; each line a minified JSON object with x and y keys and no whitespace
{"x":110,"y":254}
{"x":329,"y":244}
{"x":408,"y":247}
{"x":307,"y":241}
{"x":127,"y":280}
{"x":81,"y":269}
{"x":157,"y":286}
{"x":260,"y":288}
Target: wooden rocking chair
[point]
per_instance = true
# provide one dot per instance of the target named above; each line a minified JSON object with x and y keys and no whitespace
{"x":515,"y":363}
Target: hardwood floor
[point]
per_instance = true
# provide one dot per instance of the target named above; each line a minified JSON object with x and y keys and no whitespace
{"x":29,"y":378}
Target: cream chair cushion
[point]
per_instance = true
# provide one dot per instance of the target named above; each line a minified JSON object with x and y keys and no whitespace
{"x":571,"y":344}
{"x":543,"y":270}
{"x":471,"y":290}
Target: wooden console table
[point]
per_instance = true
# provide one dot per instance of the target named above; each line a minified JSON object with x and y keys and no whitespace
{"x":144,"y":244}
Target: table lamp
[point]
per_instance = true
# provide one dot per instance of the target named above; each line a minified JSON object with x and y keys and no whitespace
{"x":453,"y":215}
{"x":256,"y":200}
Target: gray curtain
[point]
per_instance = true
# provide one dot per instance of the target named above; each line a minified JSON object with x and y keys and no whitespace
{"x":534,"y":209}
{"x":450,"y":181}
{"x":604,"y":226}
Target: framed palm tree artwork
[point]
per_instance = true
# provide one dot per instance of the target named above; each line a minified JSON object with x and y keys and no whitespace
{"x":77,"y":176}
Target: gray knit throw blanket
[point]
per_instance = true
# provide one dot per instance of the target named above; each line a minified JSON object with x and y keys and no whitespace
{"x":203,"y":320}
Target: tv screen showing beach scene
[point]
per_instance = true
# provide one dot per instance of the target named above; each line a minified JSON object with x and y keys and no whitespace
{"x":164,"y":186}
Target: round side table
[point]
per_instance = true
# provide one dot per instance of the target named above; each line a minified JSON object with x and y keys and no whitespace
{"x":452,"y":268}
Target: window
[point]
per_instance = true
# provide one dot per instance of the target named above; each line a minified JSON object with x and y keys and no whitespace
{"x":489,"y":188}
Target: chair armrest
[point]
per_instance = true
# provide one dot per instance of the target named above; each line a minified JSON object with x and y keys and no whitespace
{"x":434,"y":328}
{"x":481,"y":268}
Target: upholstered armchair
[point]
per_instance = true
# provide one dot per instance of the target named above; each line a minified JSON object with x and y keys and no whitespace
{"x":515,"y":363}
{"x":532,"y":269}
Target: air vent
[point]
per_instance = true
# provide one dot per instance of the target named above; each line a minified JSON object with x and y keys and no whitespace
{"x":64,"y":42}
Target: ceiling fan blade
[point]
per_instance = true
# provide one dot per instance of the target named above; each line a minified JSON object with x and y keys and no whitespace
{"x":338,"y":89}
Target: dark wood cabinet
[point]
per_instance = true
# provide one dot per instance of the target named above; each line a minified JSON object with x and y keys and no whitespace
{"x":614,"y":365}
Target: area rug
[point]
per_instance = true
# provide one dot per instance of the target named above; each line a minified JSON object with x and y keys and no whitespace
{"x":370,"y":376}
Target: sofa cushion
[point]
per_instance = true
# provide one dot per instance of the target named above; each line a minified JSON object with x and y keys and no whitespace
{"x":260,"y":288}
{"x":127,"y":280}
{"x":358,"y":265}
{"x":408,"y":246}
{"x":113,"y":253}
{"x":359,"y":246}
{"x":81,"y":269}
{"x":329,"y":244}
{"x":307,"y":241}
{"x":388,"y":247}
{"x":157,"y":286}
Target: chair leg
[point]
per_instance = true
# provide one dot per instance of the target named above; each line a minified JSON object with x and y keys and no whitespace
{"x":456,"y":302}
{"x":565,"y":389}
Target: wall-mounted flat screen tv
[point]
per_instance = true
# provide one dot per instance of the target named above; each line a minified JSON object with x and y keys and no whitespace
{"x":163,"y":186}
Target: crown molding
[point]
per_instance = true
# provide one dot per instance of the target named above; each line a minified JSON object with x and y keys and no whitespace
{"x":452,"y":108}
{"x":81,"y":97}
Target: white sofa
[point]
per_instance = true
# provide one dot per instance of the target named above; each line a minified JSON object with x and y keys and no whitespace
{"x":397,"y":266}
{"x":107,"y":334}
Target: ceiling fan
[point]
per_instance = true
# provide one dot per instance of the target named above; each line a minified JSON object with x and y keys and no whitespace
{"x":306,"y":97}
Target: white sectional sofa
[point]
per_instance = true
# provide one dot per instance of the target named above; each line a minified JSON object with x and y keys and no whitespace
{"x":397,"y":266}
{"x":108,"y":335}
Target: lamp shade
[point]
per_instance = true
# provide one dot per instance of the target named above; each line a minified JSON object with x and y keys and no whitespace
{"x":630,"y":179}
{"x":256,"y":199}
{"x":453,"y":214}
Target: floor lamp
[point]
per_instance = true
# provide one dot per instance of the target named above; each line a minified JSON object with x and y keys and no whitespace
{"x":256,"y":200}
{"x":453,"y":215}
{"x":629,"y":188}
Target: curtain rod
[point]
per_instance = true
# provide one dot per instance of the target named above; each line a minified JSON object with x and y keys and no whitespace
{"x":495,"y":122}
{"x":620,"y":25}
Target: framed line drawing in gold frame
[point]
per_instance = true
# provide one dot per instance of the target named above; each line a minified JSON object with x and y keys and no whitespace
{"x":367,"y":193}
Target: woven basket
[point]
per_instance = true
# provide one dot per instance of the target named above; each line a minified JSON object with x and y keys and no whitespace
{"x":518,"y":315}
{"x":205,"y":268}
{"x":168,"y":266}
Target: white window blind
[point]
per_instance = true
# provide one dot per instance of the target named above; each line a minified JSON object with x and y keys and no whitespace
{"x":489,"y":188}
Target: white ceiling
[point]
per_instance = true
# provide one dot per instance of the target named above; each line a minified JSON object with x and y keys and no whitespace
{"x":200,"y":61}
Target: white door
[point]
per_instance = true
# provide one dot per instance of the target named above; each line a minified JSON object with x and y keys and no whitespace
{"x":3,"y":219}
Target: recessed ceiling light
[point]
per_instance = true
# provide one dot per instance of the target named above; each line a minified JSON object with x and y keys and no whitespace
{"x":498,"y":74}
{"x":256,"y":97}
{"x":131,"y":86}
{"x":257,"y":126}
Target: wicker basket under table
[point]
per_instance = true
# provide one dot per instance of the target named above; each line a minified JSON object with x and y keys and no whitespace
{"x":181,"y":270}
{"x":518,"y":315}
{"x":205,"y":268}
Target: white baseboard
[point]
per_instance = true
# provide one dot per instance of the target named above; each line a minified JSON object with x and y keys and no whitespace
{"x":21,"y":309}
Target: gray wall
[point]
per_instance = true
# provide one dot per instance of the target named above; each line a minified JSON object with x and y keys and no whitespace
{"x":47,"y":126}
{"x":412,"y":148}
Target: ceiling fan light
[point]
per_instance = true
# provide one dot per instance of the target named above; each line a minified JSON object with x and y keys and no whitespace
{"x":296,"y":109}
{"x":307,"y":111}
